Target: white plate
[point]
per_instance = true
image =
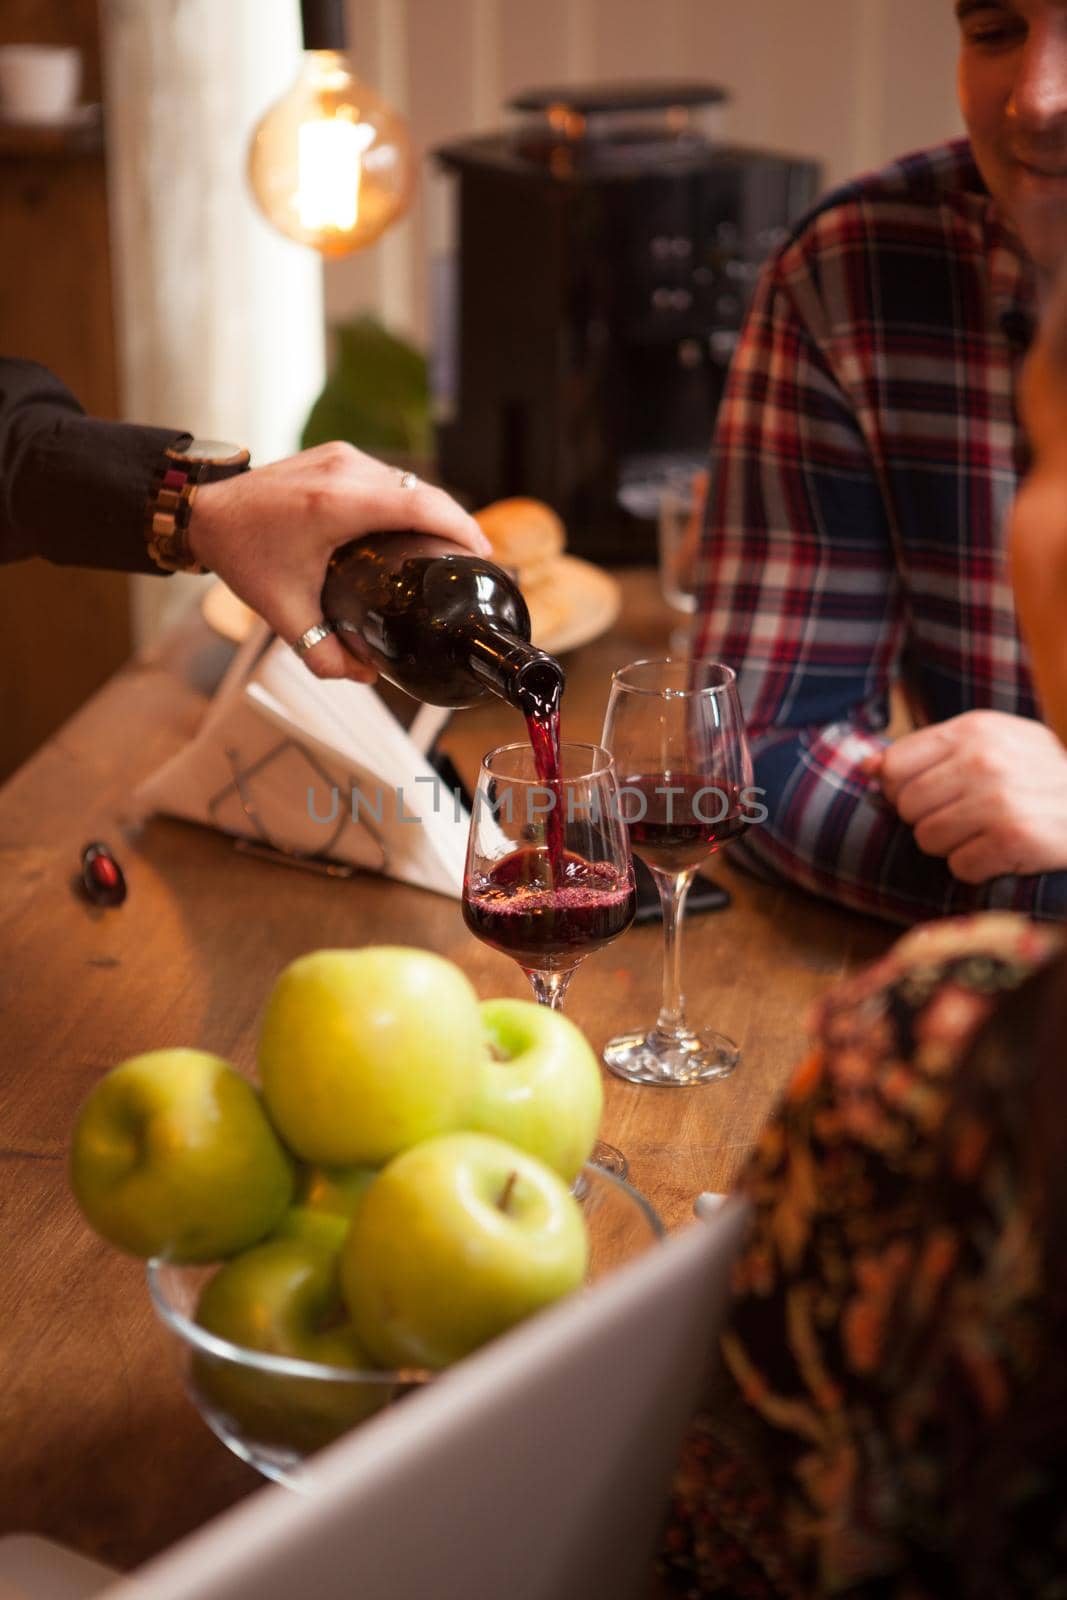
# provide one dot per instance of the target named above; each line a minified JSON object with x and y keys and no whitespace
{"x":593,"y":600}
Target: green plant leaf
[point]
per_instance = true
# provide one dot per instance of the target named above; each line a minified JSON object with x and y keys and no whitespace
{"x":377,"y":396}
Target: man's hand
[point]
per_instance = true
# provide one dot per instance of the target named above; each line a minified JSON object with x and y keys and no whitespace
{"x":986,"y":790}
{"x":269,"y":534}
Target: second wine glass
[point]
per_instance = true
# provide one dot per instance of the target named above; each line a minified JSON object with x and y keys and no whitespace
{"x":677,"y":734}
{"x":549,"y":876}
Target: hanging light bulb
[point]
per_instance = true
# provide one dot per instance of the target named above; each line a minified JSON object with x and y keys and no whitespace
{"x":331,"y":165}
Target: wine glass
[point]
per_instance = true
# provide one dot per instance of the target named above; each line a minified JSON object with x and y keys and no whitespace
{"x":677,"y":734}
{"x":549,"y":877}
{"x":679,"y":522}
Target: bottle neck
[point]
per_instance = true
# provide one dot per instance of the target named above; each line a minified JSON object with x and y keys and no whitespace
{"x":524,"y":676}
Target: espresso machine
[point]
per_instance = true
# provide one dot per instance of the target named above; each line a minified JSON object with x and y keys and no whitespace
{"x":606,"y":249}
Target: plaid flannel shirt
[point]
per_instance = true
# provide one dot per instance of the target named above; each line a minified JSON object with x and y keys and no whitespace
{"x":866,"y":452}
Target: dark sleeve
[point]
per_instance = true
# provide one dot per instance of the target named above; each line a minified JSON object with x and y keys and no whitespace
{"x":72,"y":488}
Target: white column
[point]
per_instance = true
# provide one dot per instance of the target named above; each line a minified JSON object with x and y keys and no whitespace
{"x":220,"y":324}
{"x":396,"y":250}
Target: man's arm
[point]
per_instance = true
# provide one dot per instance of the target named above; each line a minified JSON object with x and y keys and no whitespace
{"x":76,"y":490}
{"x":801,"y":593}
{"x":72,"y":488}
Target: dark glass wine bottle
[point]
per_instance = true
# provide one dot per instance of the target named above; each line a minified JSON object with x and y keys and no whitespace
{"x":447,"y":627}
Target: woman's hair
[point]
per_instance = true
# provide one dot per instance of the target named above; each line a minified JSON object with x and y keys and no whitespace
{"x":1007,"y":1474}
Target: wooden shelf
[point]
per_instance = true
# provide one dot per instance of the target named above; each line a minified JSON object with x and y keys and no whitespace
{"x":56,"y":308}
{"x":82,"y":135}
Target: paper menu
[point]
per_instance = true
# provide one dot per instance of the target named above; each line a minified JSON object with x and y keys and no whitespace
{"x":317,"y":767}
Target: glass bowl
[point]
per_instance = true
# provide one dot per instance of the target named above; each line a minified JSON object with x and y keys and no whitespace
{"x":274,"y":1411}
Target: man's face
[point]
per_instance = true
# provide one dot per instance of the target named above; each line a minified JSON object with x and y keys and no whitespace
{"x":1013,"y":91}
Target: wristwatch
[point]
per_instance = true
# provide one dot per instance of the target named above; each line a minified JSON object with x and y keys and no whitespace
{"x":182,"y":469}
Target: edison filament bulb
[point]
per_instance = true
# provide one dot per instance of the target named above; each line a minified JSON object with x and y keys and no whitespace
{"x":331,"y":164}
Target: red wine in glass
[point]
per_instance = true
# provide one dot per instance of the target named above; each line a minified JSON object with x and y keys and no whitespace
{"x":678,"y":728}
{"x":547,"y":915}
{"x":542,"y":725}
{"x":549,"y":877}
{"x":677,"y":820}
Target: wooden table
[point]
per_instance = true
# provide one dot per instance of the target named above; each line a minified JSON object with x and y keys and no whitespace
{"x":100,"y":1448}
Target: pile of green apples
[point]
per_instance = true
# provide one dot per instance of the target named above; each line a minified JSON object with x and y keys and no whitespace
{"x":396,"y":1193}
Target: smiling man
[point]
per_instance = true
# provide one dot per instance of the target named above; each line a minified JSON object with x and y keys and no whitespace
{"x":867,"y":450}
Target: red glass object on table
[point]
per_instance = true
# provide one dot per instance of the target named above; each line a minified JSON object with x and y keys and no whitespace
{"x":549,"y":877}
{"x":102,"y":879}
{"x":677,"y":733}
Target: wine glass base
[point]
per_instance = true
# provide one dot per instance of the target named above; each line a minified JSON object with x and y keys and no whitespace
{"x":609,"y":1159}
{"x":669,"y":1058}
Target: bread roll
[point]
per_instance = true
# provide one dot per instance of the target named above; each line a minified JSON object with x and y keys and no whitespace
{"x":526,"y":536}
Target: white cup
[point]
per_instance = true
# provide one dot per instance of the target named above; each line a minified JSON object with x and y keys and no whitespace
{"x":39,"y":82}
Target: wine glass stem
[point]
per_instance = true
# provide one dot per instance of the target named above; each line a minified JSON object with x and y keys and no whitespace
{"x":550,"y":988}
{"x":673,"y":888}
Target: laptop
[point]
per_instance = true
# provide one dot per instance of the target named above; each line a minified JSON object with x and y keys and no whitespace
{"x":538,"y":1468}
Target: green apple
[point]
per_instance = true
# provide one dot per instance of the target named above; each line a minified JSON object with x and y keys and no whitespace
{"x":283,"y":1298}
{"x":336,"y":1190}
{"x":458,"y":1239}
{"x":322,"y":1228}
{"x":540,"y":1084}
{"x":173,"y":1156}
{"x":324,"y":1204}
{"x":365,"y":1052}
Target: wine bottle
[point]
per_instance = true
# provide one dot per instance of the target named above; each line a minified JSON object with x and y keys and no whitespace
{"x":447,"y":627}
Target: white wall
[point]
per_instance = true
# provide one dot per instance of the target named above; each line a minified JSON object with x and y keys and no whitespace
{"x":850,"y":82}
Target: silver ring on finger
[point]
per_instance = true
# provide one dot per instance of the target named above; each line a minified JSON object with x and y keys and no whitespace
{"x":409,"y":480}
{"x":313,"y":636}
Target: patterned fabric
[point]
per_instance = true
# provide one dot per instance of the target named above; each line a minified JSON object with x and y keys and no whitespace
{"x":866,"y":452}
{"x":891,"y":1320}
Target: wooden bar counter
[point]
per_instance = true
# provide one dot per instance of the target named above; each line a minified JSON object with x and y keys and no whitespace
{"x":100,"y":1448}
